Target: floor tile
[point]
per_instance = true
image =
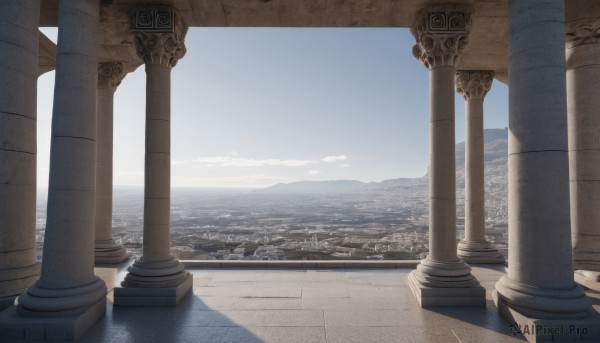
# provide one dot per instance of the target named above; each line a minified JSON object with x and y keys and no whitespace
{"x":482,"y":335}
{"x":268,"y":304}
{"x":365,"y":318}
{"x":325,"y":292}
{"x":354,"y":334}
{"x":277,"y":292}
{"x":315,"y":305}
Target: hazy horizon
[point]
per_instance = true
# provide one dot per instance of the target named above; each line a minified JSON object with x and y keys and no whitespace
{"x":256,"y":107}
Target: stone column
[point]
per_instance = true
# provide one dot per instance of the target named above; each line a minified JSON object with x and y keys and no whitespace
{"x":442,"y":279}
{"x":539,"y":287}
{"x":106,"y":249}
{"x":474,"y":248}
{"x":68,"y":291}
{"x":18,"y":122}
{"x":583,"y":104}
{"x":157,"y":278}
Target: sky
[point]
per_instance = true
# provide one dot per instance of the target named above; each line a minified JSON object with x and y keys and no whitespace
{"x":252,"y":107}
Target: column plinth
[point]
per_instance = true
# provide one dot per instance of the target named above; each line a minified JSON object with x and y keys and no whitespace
{"x":157,"y":278}
{"x":106,"y":250}
{"x":18,"y":125}
{"x":583,"y":101}
{"x":443,"y":279}
{"x":539,"y":288}
{"x":474,"y":248}
{"x":68,"y":291}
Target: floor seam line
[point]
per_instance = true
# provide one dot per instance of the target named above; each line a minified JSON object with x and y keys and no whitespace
{"x":454,"y":333}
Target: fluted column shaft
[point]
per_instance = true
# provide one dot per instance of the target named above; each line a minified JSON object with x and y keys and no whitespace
{"x":474,"y":248}
{"x":67,"y":283}
{"x":442,"y":165}
{"x":437,"y":48}
{"x":104,"y":157}
{"x":161,"y":50}
{"x":539,"y":282}
{"x":474,"y":169}
{"x":157,"y":267}
{"x":106,"y":249}
{"x":583,"y":103}
{"x":18,"y":123}
{"x":157,"y":180}
{"x":442,"y":279}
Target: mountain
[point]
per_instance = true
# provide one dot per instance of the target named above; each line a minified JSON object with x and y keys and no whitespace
{"x":495,"y":147}
{"x":313,"y":187}
{"x":495,"y":157}
{"x":491,"y":135}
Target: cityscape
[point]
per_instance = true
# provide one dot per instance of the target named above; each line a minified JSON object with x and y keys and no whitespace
{"x":326,"y":220}
{"x":293,"y":171}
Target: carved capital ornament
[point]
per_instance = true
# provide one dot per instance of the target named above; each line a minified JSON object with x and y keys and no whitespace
{"x":159,"y":36}
{"x":584,"y":31}
{"x":110,"y":75}
{"x":441,"y":33}
{"x":474,"y":84}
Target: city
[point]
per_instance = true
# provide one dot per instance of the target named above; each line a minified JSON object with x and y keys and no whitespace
{"x":277,"y":171}
{"x":354,"y":221}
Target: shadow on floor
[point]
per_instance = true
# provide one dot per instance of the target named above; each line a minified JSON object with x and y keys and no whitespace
{"x":473,"y":320}
{"x":191,"y":321}
{"x":334,"y":306}
{"x":594,"y":297}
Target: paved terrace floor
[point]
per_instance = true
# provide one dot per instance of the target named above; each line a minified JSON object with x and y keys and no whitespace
{"x":302,"y":305}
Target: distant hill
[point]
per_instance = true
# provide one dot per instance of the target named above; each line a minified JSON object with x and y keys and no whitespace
{"x":495,"y":147}
{"x":495,"y":154}
{"x":313,"y":187}
{"x":490,"y":135}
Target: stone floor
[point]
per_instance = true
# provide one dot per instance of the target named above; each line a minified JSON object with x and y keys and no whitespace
{"x":302,"y":305}
{"x":315,"y":305}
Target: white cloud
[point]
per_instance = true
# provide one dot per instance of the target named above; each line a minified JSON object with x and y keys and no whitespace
{"x":233,"y":161}
{"x":334,"y":158}
{"x":128,"y":177}
{"x":128,"y":173}
{"x":345,"y":165}
{"x":314,"y":172}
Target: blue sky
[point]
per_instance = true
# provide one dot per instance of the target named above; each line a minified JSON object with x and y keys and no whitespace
{"x":257,"y":106}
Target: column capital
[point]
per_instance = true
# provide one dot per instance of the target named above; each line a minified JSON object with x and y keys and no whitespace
{"x":442,"y":33}
{"x":474,"y":84}
{"x":583,"y":31}
{"x":110,"y":75}
{"x":159,"y":35}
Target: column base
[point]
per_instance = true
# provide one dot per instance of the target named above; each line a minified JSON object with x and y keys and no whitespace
{"x":41,"y":301}
{"x":159,"y":296}
{"x":154,"y":283}
{"x":16,"y":326}
{"x":586,"y":261}
{"x":14,"y":282}
{"x":588,"y":279}
{"x":51,"y":314}
{"x":109,"y":252}
{"x":6,"y":302}
{"x":437,"y":283}
{"x":479,"y":252}
{"x":586,"y":328}
{"x":544,"y":303}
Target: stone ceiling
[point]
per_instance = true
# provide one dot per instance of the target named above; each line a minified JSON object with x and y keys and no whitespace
{"x":47,"y":57}
{"x":487,"y":48}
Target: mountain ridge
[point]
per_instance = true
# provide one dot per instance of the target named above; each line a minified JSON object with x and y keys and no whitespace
{"x":495,"y":152}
